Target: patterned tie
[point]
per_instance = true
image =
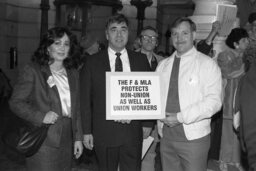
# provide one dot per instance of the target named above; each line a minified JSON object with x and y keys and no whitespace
{"x":118,"y":65}
{"x":153,"y":63}
{"x":173,"y":104}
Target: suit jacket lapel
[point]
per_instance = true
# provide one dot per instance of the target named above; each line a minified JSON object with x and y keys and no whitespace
{"x":131,"y":60}
{"x":53,"y":93}
{"x":105,"y":60}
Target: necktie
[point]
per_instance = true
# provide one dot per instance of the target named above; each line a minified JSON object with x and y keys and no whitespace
{"x":118,"y":64}
{"x":173,"y":105}
{"x":153,"y":63}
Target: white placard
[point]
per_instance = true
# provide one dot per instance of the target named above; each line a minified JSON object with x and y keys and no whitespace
{"x":134,"y":96}
{"x":226,"y":14}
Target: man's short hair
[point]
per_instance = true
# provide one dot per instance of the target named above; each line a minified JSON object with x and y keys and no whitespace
{"x":149,"y":28}
{"x":117,"y":18}
{"x":178,"y":21}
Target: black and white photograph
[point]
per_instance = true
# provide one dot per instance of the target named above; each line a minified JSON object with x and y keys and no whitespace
{"x":128,"y":85}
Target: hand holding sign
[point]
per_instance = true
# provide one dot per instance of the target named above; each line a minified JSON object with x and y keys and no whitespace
{"x":123,"y":121}
{"x":171,"y":119}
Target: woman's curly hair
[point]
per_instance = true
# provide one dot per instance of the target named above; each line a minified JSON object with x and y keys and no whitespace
{"x":249,"y":57}
{"x":41,"y":55}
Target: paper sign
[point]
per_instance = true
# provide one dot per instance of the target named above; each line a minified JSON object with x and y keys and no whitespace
{"x":134,"y":95}
{"x":226,"y":14}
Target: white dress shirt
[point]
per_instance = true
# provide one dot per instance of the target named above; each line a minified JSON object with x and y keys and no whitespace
{"x":124,"y":59}
{"x":61,"y":81}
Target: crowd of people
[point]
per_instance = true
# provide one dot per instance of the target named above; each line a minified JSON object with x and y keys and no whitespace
{"x":64,"y":86}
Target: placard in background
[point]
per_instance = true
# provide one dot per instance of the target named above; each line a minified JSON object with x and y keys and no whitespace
{"x":226,"y":14}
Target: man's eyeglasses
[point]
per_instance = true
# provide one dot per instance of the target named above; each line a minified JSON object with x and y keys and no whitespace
{"x":149,"y":38}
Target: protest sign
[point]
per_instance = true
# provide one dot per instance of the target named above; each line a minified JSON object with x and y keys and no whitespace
{"x":133,"y":96}
{"x":226,"y":14}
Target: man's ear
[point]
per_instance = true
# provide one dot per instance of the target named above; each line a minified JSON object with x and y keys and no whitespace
{"x":194,"y":35}
{"x":140,"y":43}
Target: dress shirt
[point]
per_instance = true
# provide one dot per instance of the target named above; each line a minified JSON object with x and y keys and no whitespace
{"x":61,"y":81}
{"x":124,"y":59}
{"x":200,"y":91}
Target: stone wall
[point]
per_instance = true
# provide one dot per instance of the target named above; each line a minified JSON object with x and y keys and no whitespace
{"x":21,"y":20}
{"x":20,"y":28}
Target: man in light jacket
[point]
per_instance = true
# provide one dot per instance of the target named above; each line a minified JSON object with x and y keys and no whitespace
{"x":193,"y":89}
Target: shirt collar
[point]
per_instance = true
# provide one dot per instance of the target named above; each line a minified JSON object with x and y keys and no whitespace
{"x":112,"y":55}
{"x":187,"y":54}
{"x":111,"y":51}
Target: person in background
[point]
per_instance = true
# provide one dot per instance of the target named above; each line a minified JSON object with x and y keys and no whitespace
{"x":47,"y":92}
{"x":136,"y":46}
{"x":232,"y":68}
{"x":89,"y":44}
{"x":148,"y":42}
{"x":5,"y":87}
{"x":205,"y":46}
{"x":117,"y":143}
{"x":247,"y":102}
{"x":193,"y":90}
{"x":252,"y":29}
{"x":5,"y":94}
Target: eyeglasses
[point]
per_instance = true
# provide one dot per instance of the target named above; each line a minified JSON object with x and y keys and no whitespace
{"x":149,"y":38}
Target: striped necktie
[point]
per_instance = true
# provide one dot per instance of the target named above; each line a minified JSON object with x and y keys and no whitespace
{"x":153,"y":63}
{"x":118,"y":64}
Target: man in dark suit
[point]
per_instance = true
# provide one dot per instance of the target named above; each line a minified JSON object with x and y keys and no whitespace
{"x":117,"y":143}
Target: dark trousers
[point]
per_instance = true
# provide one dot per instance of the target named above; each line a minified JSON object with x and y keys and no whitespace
{"x":184,"y":156}
{"x":126,"y":157}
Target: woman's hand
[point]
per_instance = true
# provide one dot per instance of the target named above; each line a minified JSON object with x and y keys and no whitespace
{"x":50,"y":117}
{"x":78,"y":149}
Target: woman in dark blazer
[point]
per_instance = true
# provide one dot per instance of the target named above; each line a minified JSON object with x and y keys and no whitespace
{"x":47,"y":92}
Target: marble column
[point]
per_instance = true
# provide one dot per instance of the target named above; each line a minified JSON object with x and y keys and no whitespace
{"x":204,"y":15}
